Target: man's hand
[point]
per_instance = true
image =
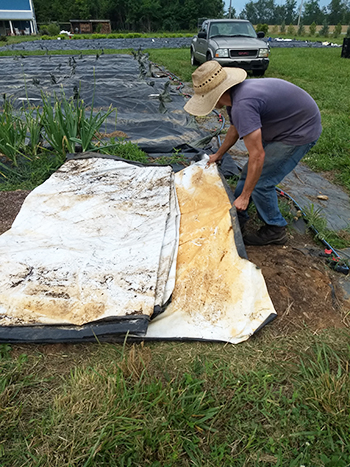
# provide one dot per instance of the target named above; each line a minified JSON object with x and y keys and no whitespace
{"x":230,"y":139}
{"x":214,"y":158}
{"x":241,"y":203}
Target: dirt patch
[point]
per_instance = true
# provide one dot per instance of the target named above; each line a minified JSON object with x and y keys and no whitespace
{"x":10,"y":204}
{"x":304,"y":291}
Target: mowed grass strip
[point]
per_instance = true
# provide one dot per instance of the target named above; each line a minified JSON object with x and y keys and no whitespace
{"x":268,"y":401}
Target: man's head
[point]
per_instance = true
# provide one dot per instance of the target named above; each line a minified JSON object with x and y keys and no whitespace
{"x":210,"y":81}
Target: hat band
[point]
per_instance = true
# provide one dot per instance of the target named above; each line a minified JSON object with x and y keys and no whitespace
{"x":211,"y":82}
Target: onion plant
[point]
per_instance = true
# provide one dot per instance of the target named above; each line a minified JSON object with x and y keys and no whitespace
{"x":60,"y":121}
{"x":13,"y":133}
{"x":66,"y":124}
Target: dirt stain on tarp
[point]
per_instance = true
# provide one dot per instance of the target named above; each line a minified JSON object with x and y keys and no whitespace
{"x":211,"y":277}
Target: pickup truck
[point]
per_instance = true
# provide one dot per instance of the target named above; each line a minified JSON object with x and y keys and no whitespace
{"x":232,"y":42}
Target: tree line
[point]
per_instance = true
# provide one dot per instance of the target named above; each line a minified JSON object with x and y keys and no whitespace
{"x":182,"y":15}
{"x":266,"y":11}
{"x":132,"y":15}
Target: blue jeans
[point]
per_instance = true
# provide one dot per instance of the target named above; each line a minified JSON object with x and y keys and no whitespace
{"x":280,"y":160}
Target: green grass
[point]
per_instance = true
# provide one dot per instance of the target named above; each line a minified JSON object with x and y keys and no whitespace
{"x":269,"y":401}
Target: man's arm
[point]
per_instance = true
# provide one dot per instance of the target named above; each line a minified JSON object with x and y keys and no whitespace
{"x":230,"y":139}
{"x":253,"y":143}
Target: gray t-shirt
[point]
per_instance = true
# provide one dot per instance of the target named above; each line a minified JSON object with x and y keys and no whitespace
{"x":283,"y":111}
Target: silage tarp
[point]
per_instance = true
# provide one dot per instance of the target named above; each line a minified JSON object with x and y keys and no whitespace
{"x":218,"y":294}
{"x":93,"y":252}
{"x":97,"y":240}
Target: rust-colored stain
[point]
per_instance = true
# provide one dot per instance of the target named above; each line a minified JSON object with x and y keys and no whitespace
{"x":210,"y":277}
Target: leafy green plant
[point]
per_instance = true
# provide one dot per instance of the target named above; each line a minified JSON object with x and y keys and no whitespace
{"x":98,"y":36}
{"x":89,"y":125}
{"x":60,"y":121}
{"x":65,"y":123}
{"x":34,"y":126}
{"x":283,"y":27}
{"x":53,"y":29}
{"x":43,"y":29}
{"x":124,"y":149}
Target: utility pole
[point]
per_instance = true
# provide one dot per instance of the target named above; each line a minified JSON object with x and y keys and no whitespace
{"x":230,"y":10}
{"x":301,"y":6}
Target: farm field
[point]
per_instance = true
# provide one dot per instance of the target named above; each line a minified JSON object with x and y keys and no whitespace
{"x":280,"y":399}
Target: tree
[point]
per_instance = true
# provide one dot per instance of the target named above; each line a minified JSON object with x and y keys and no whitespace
{"x":324,"y":31}
{"x":312,"y":29}
{"x":290,"y":13}
{"x":337,"y":11}
{"x":261,"y":11}
{"x":337,"y":30}
{"x":312,"y":12}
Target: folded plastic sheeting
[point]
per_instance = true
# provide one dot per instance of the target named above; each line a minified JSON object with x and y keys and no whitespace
{"x":97,"y":240}
{"x":218,"y":295}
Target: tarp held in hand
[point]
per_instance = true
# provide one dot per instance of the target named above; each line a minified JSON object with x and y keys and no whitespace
{"x":98,"y":243}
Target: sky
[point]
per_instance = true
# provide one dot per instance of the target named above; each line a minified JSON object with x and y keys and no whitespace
{"x":239,"y":4}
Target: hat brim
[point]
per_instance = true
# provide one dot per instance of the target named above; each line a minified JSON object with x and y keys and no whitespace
{"x":202,"y":104}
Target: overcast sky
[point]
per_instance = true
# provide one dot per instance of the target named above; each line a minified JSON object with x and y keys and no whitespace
{"x":238,"y":5}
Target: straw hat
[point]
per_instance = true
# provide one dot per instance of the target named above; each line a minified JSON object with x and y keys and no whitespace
{"x":210,"y":81}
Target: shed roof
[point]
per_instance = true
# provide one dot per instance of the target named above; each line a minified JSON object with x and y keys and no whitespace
{"x":16,"y":10}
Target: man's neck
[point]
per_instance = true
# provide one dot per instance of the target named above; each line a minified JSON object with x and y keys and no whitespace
{"x":226,"y":98}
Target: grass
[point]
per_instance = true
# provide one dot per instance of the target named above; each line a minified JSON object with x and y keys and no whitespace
{"x":265,"y":402}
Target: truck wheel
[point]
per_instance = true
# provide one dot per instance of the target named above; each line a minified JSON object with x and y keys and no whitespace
{"x":209,"y":56}
{"x":194,"y":61}
{"x":258,"y":72}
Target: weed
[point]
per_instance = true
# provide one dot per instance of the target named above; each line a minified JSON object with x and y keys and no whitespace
{"x":124,"y":149}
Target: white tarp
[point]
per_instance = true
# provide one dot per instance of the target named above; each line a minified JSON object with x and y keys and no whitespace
{"x":217,"y":295}
{"x":96,"y":240}
{"x":100,"y":239}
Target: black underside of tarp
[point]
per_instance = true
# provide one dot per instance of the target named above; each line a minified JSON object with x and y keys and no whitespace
{"x":93,"y":332}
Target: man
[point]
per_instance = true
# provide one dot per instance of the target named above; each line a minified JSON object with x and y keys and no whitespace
{"x":279,"y":123}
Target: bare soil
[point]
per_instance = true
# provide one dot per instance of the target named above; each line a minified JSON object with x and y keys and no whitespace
{"x":304,"y":291}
